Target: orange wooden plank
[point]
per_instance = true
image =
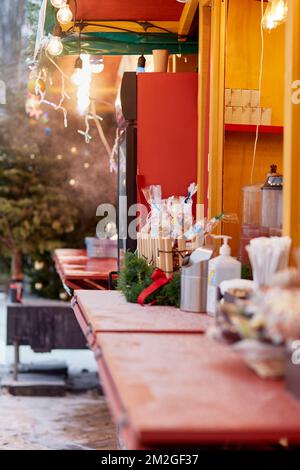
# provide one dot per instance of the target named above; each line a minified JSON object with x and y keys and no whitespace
{"x":188,"y":389}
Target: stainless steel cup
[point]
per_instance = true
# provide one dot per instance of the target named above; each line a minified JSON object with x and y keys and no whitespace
{"x":194,"y":287}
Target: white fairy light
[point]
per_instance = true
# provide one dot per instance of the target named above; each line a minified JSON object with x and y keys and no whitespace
{"x":55,"y":46}
{"x":84,"y":85}
{"x":97,"y":65}
{"x":77,"y":77}
{"x":64,"y":15}
{"x":58,"y":3}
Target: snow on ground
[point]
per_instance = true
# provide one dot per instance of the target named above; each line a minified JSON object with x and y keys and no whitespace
{"x":56,"y":423}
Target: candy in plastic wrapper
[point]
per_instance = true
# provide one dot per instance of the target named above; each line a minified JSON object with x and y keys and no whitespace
{"x":153,"y":197}
{"x":206,"y":226}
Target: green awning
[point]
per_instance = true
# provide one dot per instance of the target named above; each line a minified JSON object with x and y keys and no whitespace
{"x":126,"y":44}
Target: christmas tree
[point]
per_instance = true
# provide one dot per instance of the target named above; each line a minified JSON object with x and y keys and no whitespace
{"x":36,"y":209}
{"x":51,"y":182}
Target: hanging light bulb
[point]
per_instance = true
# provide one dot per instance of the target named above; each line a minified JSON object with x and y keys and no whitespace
{"x":279,"y":10}
{"x":64,"y":15}
{"x":141,"y":64}
{"x":78,"y":74}
{"x":97,"y":64}
{"x":55,"y":46}
{"x":268,"y":21}
{"x":275,"y":14}
{"x":58,"y":3}
{"x":83,"y":88}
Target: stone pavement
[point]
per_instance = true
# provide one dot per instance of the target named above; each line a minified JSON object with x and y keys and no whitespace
{"x":76,"y":421}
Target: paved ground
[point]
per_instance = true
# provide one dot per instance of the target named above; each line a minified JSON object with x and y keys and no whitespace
{"x":76,"y":421}
{"x":41,"y":423}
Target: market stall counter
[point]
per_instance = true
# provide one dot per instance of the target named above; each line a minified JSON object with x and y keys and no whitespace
{"x":78,"y":271}
{"x":168,"y":384}
{"x":109,"y":312}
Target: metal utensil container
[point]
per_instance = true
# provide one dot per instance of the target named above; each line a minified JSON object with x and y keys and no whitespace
{"x":194,"y":287}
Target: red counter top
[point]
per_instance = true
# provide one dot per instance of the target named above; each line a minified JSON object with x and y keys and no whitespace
{"x":167,"y":383}
{"x":109,"y":311}
{"x":77,"y":270}
{"x":188,"y":389}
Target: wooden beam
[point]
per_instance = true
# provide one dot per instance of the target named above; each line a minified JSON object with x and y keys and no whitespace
{"x":216,"y":125}
{"x":203,"y":98}
{"x":187,"y":16}
{"x":291,"y":168}
{"x":109,"y":27}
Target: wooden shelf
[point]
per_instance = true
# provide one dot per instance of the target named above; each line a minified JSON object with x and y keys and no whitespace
{"x":252,"y":129}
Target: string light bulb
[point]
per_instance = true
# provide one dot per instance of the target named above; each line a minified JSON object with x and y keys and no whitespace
{"x":141,"y":64}
{"x":55,"y":46}
{"x":279,"y":10}
{"x":97,"y":65}
{"x":81,"y":78}
{"x":275,"y":14}
{"x":64,"y":15}
{"x":58,"y":3}
{"x":78,"y":75}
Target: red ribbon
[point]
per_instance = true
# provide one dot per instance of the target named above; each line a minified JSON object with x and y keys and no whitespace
{"x":160,"y":279}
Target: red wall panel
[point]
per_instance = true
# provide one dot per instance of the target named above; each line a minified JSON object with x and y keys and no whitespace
{"x":167,"y":131}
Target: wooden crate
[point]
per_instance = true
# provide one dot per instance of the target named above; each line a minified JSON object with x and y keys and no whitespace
{"x":163,"y":252}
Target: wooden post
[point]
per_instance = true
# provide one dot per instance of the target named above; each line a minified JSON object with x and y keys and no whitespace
{"x":291,"y":164}
{"x":216,"y":126}
{"x":203,"y":96}
{"x":187,"y":16}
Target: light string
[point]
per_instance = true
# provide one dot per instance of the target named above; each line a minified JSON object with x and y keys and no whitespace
{"x":113,"y":167}
{"x":260,"y":89}
{"x":89,"y":116}
{"x":64,"y":94}
{"x":99,"y":128}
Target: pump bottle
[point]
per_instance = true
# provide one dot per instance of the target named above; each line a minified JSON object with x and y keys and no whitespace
{"x":222,"y":268}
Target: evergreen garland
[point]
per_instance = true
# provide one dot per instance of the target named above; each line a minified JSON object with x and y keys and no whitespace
{"x":136,"y":276}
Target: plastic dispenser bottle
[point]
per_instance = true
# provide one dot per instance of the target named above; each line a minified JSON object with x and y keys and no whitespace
{"x":222,"y":268}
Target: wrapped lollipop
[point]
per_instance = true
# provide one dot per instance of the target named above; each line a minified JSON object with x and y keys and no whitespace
{"x":153,"y":197}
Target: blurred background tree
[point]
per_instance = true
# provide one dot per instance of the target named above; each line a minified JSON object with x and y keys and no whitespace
{"x":67,"y":168}
{"x":35,"y":208}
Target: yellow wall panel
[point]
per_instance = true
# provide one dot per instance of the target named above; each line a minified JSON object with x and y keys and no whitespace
{"x":242,"y":71}
{"x":237,"y":167}
{"x":243,"y":56}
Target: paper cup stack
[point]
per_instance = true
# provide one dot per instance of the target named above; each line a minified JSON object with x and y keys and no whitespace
{"x":268,"y":256}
